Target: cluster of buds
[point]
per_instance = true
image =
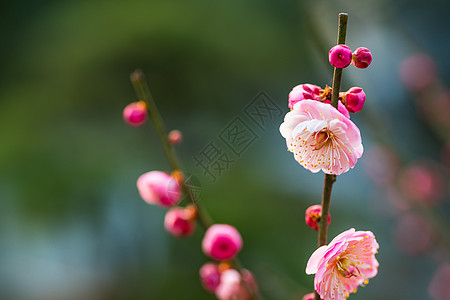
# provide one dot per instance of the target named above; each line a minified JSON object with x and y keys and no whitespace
{"x":340,"y":56}
{"x":349,"y":101}
{"x":162,"y":189}
{"x":227,"y":283}
{"x":221,"y":242}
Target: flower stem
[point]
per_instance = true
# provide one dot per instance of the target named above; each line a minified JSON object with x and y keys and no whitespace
{"x":330,"y":179}
{"x":143,"y":93}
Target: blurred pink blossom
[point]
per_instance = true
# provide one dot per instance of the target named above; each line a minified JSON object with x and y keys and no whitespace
{"x":439,"y":288}
{"x":210,"y":276}
{"x":413,"y":234}
{"x":179,"y":222}
{"x":232,"y":286}
{"x":381,"y":164}
{"x":310,"y":296}
{"x":135,"y":114}
{"x":221,"y":242}
{"x":321,"y":138}
{"x":159,"y":188}
{"x":175,"y":137}
{"x":422,"y":182}
{"x":417,"y":71}
{"x":347,"y":262}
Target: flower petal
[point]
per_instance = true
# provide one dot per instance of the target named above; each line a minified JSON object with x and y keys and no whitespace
{"x":313,"y":262}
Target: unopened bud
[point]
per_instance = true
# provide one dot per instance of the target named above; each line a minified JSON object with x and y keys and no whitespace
{"x":340,"y":56}
{"x":135,"y":114}
{"x":178,"y":222}
{"x":362,"y":58}
{"x":159,"y":188}
{"x":221,"y":242}
{"x":175,"y":137}
{"x":210,"y":276}
{"x":354,"y":99}
{"x":313,"y":215}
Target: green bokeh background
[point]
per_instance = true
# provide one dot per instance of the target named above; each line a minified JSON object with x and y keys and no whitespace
{"x":72,"y":225}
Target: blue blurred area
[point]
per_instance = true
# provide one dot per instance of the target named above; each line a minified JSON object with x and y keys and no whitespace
{"x":72,"y":225}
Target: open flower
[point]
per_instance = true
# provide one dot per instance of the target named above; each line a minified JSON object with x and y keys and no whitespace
{"x":347,"y":262}
{"x":321,"y":137}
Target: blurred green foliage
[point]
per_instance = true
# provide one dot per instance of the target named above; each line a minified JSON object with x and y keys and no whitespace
{"x":72,"y":225}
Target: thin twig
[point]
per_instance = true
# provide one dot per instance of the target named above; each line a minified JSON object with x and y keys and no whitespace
{"x":143,"y":93}
{"x":330,"y":179}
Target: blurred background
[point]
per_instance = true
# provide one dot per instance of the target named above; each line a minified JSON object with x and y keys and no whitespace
{"x":72,"y":225}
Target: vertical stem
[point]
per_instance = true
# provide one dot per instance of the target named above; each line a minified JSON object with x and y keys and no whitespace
{"x":143,"y":93}
{"x":330,"y":179}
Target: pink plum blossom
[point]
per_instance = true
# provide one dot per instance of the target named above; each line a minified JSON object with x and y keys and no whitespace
{"x":321,"y":138}
{"x":236,"y":286}
{"x":179,"y":222}
{"x":312,"y":216}
{"x":304,"y":92}
{"x":159,"y":188}
{"x":210,"y":276}
{"x":362,"y":58}
{"x":340,"y":56}
{"x":221,"y":242}
{"x":347,"y":262}
{"x":135,"y":114}
{"x":354,"y":99}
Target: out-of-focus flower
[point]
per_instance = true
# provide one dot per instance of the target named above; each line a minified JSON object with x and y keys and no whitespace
{"x":179,"y":222}
{"x":439,"y":288}
{"x":312,"y":216}
{"x":422,"y":182}
{"x":340,"y":56}
{"x":135,"y":114}
{"x":347,"y":262}
{"x":381,"y":164}
{"x":221,"y":242}
{"x":321,"y":138}
{"x":413,"y":234}
{"x":445,"y":157}
{"x":210,"y":276}
{"x":361,"y":58}
{"x":159,"y":188}
{"x":417,"y":71}
{"x":175,"y":137}
{"x":310,"y":296}
{"x":232,"y":286}
{"x":435,"y":105}
{"x":304,"y":92}
{"x":353,"y":99}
